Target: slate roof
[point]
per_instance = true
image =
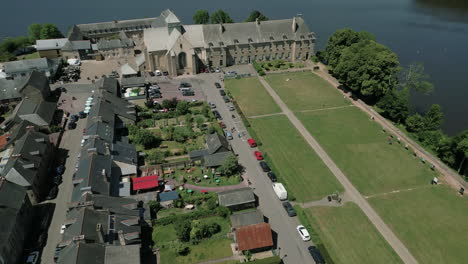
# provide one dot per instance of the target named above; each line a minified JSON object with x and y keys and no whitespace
{"x":82,"y":253}
{"x":110,"y":85}
{"x":254,"y":236}
{"x":124,"y":152}
{"x":30,"y":65}
{"x":122,"y":254}
{"x":168,"y":196}
{"x":246,"y":218}
{"x":12,"y":196}
{"x":38,"y":112}
{"x":216,"y":143}
{"x":77,"y":45}
{"x":127,"y":69}
{"x":133,"y":82}
{"x":236,"y":197}
{"x":216,"y":159}
{"x":50,"y":44}
{"x":106,"y":44}
{"x":117,"y":205}
{"x":9,"y":89}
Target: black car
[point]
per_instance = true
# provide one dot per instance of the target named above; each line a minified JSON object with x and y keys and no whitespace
{"x":217,"y":115}
{"x":74,"y":118}
{"x":60,"y":169}
{"x":272,"y":176}
{"x":165,"y":73}
{"x":264,"y":166}
{"x":226,"y":99}
{"x":53,"y":193}
{"x":218,"y":85}
{"x":57,"y":179}
{"x":82,"y":114}
{"x":222,"y":92}
{"x":185,"y":85}
{"x":71,"y":125}
{"x":57,"y":253}
{"x":316,"y":255}
{"x":289,"y":209}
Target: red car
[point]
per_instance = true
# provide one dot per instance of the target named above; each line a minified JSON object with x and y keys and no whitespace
{"x":222,"y":125}
{"x":252,"y":143}
{"x":258,"y":155}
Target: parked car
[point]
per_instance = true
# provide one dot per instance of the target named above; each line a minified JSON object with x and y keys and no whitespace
{"x":33,"y":258}
{"x":222,"y":125}
{"x":217,"y":70}
{"x":232,"y":72}
{"x":217,"y":115}
{"x":62,"y":229}
{"x":218,"y":85}
{"x":57,"y":253}
{"x":151,"y":74}
{"x":258,"y":155}
{"x":228,"y":135}
{"x":188,"y":93}
{"x":303,"y":232}
{"x":289,"y":209}
{"x":57,"y":179}
{"x":212,"y":105}
{"x":185,"y":85}
{"x":71,"y":125}
{"x":252,"y":142}
{"x":272,"y":176}
{"x":316,"y":255}
{"x":232,"y":108}
{"x":60,"y":169}
{"x":165,"y":73}
{"x":222,"y":92}
{"x":74,"y":118}
{"x":264,"y":166}
{"x":158,"y":73}
{"x":52,"y":193}
{"x":82,"y":114}
{"x":226,"y":99}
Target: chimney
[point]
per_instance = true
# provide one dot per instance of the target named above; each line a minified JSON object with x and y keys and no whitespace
{"x":294,"y":25}
{"x":38,"y":140}
{"x":34,"y":153}
{"x":121,"y":238}
{"x":100,"y":233}
{"x":29,"y":166}
{"x":29,"y":128}
{"x":92,"y":150}
{"x":222,"y":28}
{"x":15,"y":156}
{"x":257,"y":21}
{"x":78,"y":238}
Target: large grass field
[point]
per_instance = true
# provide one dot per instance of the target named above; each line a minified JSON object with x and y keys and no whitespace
{"x":251,"y":96}
{"x":296,"y":164}
{"x":431,"y":222}
{"x":360,"y":148}
{"x":305,"y":91}
{"x":349,"y":236}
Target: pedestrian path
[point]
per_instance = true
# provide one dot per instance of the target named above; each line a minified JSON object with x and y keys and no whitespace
{"x":351,"y":191}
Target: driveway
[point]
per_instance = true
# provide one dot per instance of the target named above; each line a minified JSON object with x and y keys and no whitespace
{"x":71,"y":143}
{"x":292,"y":249}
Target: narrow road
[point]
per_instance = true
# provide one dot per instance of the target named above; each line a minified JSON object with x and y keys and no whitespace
{"x":351,"y":191}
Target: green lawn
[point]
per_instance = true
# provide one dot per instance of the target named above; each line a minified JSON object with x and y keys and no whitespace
{"x":349,"y":236}
{"x":360,"y":148}
{"x":251,"y":96}
{"x":431,"y":222}
{"x":206,"y":250}
{"x":296,"y":164}
{"x":305,"y":91}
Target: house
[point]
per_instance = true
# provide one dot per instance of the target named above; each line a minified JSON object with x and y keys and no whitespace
{"x":122,"y":254}
{"x":15,"y":220}
{"x":121,"y":46}
{"x":83,"y":253}
{"x":29,"y":163}
{"x":254,"y":238}
{"x":189,"y":49}
{"x":246,"y":218}
{"x":14,"y":69}
{"x":10,"y":90}
{"x":76,"y":49}
{"x":237,"y":199}
{"x":145,"y":182}
{"x":50,"y":48}
{"x":133,"y":88}
{"x":166,"y":199}
{"x":217,"y":151}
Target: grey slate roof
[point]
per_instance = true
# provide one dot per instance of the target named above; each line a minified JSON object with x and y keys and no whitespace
{"x":77,"y":45}
{"x":82,"y":253}
{"x":11,"y":196}
{"x":50,"y":44}
{"x":10,"y":89}
{"x":37,"y":112}
{"x":168,"y":196}
{"x":216,"y":143}
{"x":246,"y":218}
{"x":133,"y":82}
{"x":111,"y":85}
{"x":217,"y":159}
{"x":42,"y":64}
{"x":117,"y":205}
{"x":107,"y":44}
{"x":236,"y":197}
{"x":122,"y":254}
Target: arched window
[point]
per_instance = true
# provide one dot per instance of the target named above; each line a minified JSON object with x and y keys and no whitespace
{"x":182,"y":60}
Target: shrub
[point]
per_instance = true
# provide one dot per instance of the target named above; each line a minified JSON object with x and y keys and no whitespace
{"x":183,"y":228}
{"x":182,"y":249}
{"x":223,"y":211}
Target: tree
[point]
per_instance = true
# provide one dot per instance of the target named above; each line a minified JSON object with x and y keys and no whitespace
{"x":340,"y":40}
{"x":201,"y":17}
{"x":182,"y":107}
{"x":434,"y":117}
{"x":254,"y":15}
{"x":34,"y":31}
{"x":182,"y":229}
{"x":166,"y":104}
{"x":154,"y":157}
{"x":200,"y":121}
{"x":229,"y":166}
{"x":221,"y":17}
{"x":154,"y":206}
{"x":431,"y":139}
{"x":462,"y":147}
{"x":415,"y":123}
{"x":395,"y":106}
{"x":146,"y":139}
{"x":50,"y":31}
{"x":182,"y":249}
{"x":446,"y":151}
{"x":415,"y":79}
{"x":368,"y":68}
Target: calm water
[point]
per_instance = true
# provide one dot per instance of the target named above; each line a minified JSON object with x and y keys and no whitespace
{"x":434,"y":32}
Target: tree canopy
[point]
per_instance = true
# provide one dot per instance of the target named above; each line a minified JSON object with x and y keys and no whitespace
{"x":34,"y":31}
{"x":434,"y":117}
{"x":414,"y":79}
{"x":229,"y":166}
{"x":50,"y":31}
{"x":395,"y":106}
{"x":220,"y":17}
{"x":201,"y":17}
{"x":254,"y":15}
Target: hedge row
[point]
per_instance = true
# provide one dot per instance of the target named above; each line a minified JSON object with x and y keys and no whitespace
{"x":200,"y":213}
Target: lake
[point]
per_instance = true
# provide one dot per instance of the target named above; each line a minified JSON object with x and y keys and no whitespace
{"x":434,"y":32}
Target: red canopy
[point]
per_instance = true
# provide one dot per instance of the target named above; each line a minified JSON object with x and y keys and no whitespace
{"x":146,"y":182}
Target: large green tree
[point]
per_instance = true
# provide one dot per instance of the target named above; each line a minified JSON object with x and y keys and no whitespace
{"x":415,"y":79}
{"x":434,"y":117}
{"x":254,"y":15}
{"x":50,"y":31}
{"x":146,"y":139}
{"x":415,"y":123}
{"x":201,"y":17}
{"x":340,"y":40}
{"x":183,"y":228}
{"x":368,"y":68}
{"x":221,"y":17}
{"x":395,"y":106}
{"x":34,"y":31}
{"x":182,"y":107}
{"x":462,"y":146}
{"x":230,"y":166}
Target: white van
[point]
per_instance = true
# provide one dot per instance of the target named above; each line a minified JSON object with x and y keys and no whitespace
{"x":280,"y":191}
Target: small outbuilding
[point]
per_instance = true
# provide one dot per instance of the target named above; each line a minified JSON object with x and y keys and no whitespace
{"x":238,"y":199}
{"x":254,"y":238}
{"x":246,"y":218}
{"x":166,"y":199}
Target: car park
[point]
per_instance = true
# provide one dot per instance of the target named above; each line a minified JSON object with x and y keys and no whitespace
{"x":222,"y":92}
{"x":272,"y":176}
{"x":264,"y":166}
{"x":258,"y":155}
{"x":33,"y":258}
{"x":316,"y":255}
{"x":303,"y":232}
{"x":252,"y":142}
{"x":217,"y":85}
{"x":289,"y":209}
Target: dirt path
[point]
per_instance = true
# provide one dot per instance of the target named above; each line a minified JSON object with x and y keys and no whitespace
{"x":351,"y":191}
{"x":451,"y":177}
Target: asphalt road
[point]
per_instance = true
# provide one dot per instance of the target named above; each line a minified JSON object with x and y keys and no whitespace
{"x":291,"y":247}
{"x":71,"y":142}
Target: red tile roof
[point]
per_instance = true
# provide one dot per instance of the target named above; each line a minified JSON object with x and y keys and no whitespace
{"x":254,"y":236}
{"x":146,"y":182}
{"x":3,"y":140}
